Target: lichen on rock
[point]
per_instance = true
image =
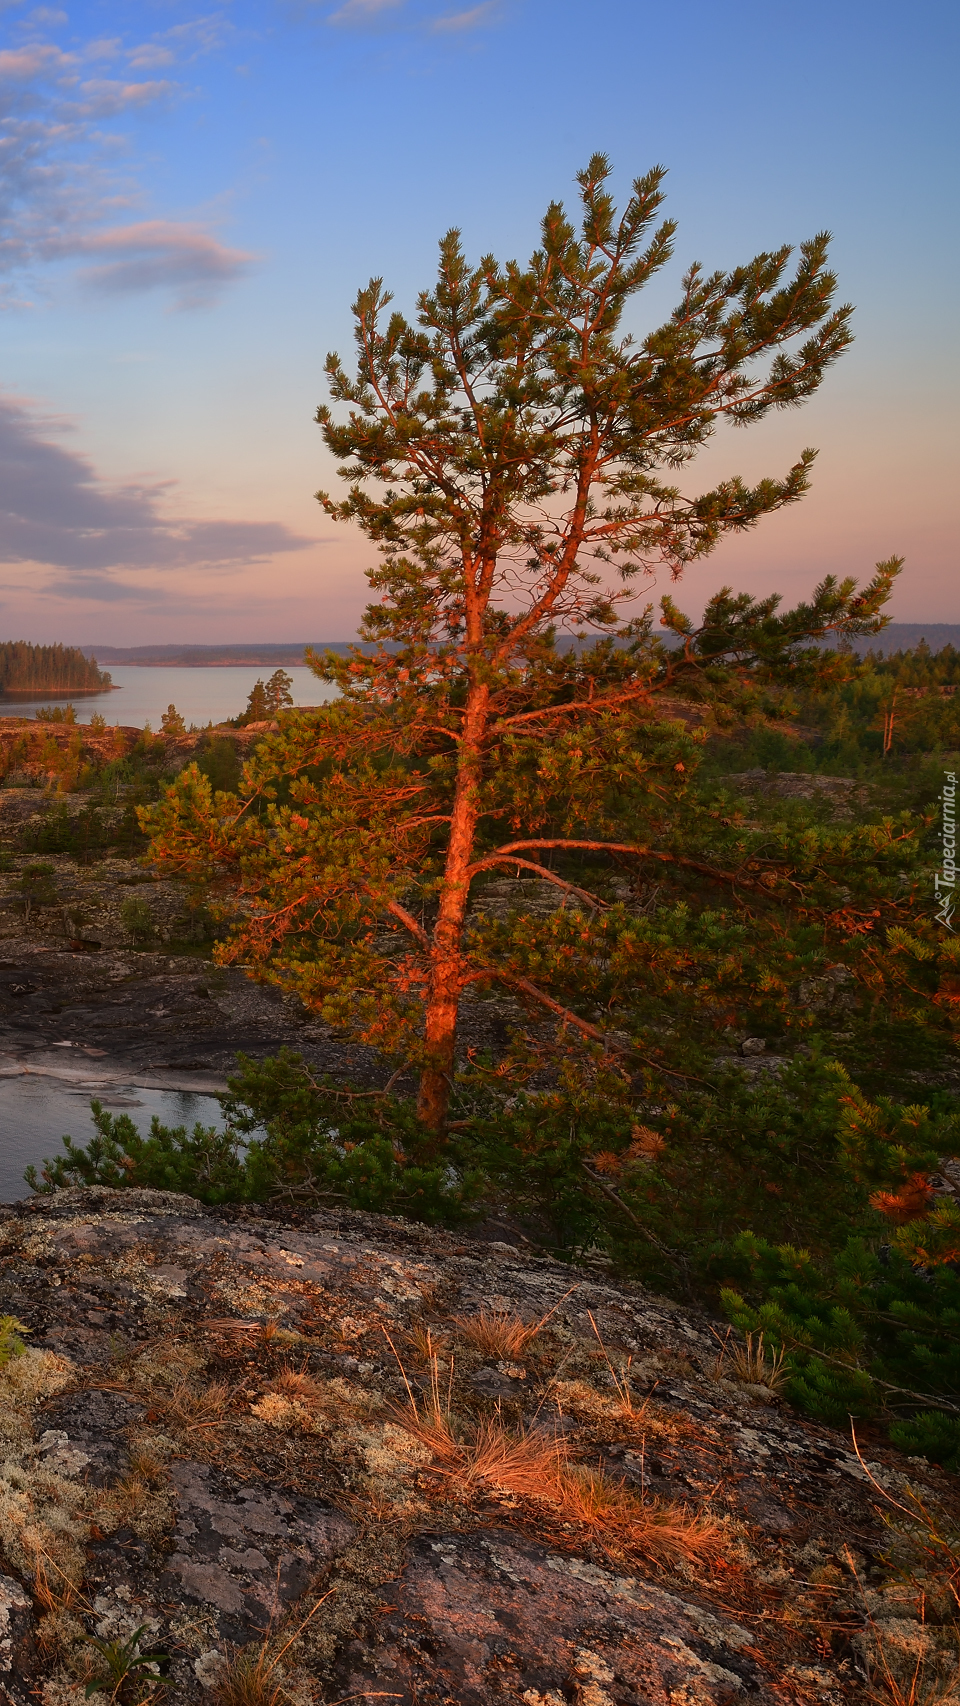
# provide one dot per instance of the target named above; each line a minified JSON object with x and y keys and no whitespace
{"x":301,"y":1451}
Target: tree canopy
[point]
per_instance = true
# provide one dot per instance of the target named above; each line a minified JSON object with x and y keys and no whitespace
{"x":513,"y":455}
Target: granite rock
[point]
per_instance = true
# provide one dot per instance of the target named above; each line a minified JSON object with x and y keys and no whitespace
{"x":212,"y":1435}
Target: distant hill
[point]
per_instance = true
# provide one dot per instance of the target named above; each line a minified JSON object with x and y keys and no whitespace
{"x":212,"y":656}
{"x":899,"y":637}
{"x":904,"y":636}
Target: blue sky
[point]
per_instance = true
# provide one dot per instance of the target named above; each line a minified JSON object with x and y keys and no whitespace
{"x":190,"y":198}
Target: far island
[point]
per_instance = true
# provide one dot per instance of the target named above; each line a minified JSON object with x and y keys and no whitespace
{"x":27,"y":670}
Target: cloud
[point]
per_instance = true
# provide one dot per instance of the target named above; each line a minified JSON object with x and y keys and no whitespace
{"x":55,"y":510}
{"x":103,"y":590}
{"x":158,"y":253}
{"x":59,"y":183}
{"x":197,"y":35}
{"x":356,"y":13}
{"x":150,"y":57}
{"x":105,"y":97}
{"x":21,"y":63}
{"x":464,"y":20}
{"x":361,"y":11}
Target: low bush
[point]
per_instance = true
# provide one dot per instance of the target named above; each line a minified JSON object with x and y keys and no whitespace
{"x":219,"y":761}
{"x":137,"y":919}
{"x":931,"y":1434}
{"x":854,"y":1284}
{"x":204,"y":1163}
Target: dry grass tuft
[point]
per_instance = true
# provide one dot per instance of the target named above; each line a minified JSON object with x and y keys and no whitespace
{"x":591,"y":1497}
{"x":667,"y":1533}
{"x":621,"y":1381}
{"x":536,"y":1466}
{"x":56,"y":1598}
{"x":525,"y":1464}
{"x":529,"y":1465}
{"x":750,"y":1365}
{"x":298,"y":1384}
{"x":145,"y":1463}
{"x":425,"y":1344}
{"x":250,"y":1681}
{"x":498,"y":1333}
{"x":53,"y":1590}
{"x":227,"y":1327}
{"x":190,"y":1406}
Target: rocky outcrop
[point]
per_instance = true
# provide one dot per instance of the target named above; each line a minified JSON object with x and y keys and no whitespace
{"x":841,"y":793}
{"x":387,"y":1462}
{"x":38,"y":755}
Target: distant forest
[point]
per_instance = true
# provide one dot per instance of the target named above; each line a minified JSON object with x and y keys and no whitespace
{"x":48,"y":669}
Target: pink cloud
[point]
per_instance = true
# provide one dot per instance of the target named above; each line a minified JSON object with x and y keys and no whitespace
{"x":157,"y":253}
{"x":361,"y":11}
{"x":58,"y":187}
{"x":56,"y":510}
{"x":456,"y":21}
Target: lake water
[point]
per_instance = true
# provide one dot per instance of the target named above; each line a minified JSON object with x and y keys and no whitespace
{"x":141,"y":694}
{"x":35,"y":1112}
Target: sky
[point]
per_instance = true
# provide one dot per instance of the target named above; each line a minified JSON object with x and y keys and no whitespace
{"x":190,"y":198}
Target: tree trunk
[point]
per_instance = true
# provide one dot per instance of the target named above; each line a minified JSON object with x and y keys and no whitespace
{"x":446,"y":966}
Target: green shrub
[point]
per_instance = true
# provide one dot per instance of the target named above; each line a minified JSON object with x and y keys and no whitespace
{"x":288,"y":1137}
{"x":310,"y":1141}
{"x":82,"y":833}
{"x":879,"y":1321}
{"x":55,"y":714}
{"x":203,"y":1163}
{"x":11,"y":1344}
{"x":137,"y":919}
{"x":36,"y":886}
{"x":931,"y":1434}
{"x":219,"y":761}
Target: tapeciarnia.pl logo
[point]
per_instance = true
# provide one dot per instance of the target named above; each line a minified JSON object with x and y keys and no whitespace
{"x":945,"y":881}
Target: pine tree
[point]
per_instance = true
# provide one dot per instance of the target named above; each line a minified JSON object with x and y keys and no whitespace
{"x":258,"y":705}
{"x":278,"y":692}
{"x":512,"y":457}
{"x":172,"y":723}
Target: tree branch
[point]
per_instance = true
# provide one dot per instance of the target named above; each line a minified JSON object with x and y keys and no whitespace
{"x":408,"y":921}
{"x":589,"y":1030}
{"x":664,"y":1249}
{"x":733,"y":877}
{"x":601,"y":702}
{"x":542,"y":871}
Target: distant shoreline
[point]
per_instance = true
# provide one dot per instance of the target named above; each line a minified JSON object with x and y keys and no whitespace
{"x":202,"y":663}
{"x":289,"y":654}
{"x":899,"y":636}
{"x":12,"y":694}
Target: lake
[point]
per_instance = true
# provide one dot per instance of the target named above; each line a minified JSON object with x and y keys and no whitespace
{"x":141,"y":694}
{"x":36,"y":1111}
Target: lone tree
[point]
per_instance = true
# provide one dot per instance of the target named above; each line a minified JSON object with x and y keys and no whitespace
{"x":512,"y":454}
{"x":278,"y":691}
{"x":172,"y":723}
{"x":267,"y":698}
